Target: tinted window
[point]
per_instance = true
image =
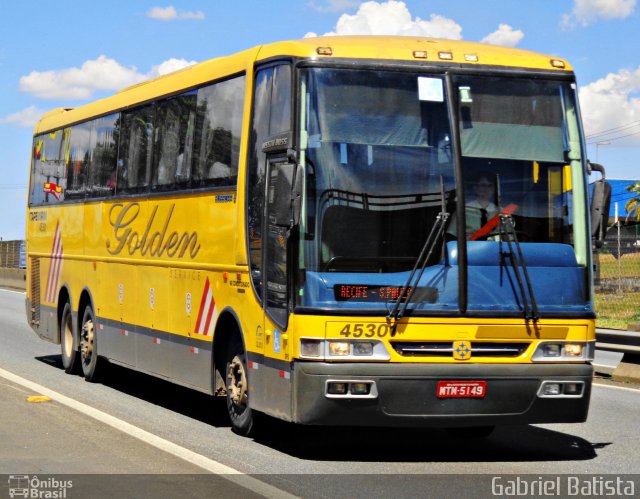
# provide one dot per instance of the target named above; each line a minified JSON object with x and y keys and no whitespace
{"x":256,"y":173}
{"x":104,"y":154}
{"x":218,"y":129}
{"x":48,"y":181}
{"x":78,"y":161}
{"x":173,"y":141}
{"x":134,"y":156}
{"x":280,"y":119}
{"x":271,"y":116}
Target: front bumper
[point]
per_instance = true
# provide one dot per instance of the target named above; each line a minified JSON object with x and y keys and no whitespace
{"x":405,"y":394}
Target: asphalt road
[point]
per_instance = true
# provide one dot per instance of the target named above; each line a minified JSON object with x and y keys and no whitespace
{"x":151,"y":426}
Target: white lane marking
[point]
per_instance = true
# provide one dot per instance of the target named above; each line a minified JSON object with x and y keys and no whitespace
{"x":14,"y":291}
{"x":617,"y":387}
{"x":231,"y":474}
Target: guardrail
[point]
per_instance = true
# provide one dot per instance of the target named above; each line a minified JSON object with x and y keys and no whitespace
{"x":618,"y":341}
{"x":13,"y":278}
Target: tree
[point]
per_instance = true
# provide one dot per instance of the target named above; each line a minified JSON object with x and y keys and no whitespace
{"x":633,"y":205}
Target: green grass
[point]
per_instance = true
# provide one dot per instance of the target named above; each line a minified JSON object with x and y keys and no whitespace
{"x":628,"y":266}
{"x":616,"y":309}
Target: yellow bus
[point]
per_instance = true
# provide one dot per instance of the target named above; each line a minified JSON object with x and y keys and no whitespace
{"x":280,"y":227}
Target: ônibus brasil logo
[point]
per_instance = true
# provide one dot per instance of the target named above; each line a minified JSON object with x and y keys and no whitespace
{"x":40,"y":488}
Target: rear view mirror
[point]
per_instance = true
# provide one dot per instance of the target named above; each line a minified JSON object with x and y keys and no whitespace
{"x":280,"y":198}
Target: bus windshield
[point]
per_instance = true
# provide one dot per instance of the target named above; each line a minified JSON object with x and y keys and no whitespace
{"x":376,"y":148}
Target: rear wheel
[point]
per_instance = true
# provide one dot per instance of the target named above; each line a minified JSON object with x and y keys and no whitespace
{"x":241,"y":415}
{"x":91,"y":363}
{"x":68,"y":341}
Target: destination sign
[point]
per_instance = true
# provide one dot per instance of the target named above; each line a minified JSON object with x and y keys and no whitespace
{"x":373,"y":293}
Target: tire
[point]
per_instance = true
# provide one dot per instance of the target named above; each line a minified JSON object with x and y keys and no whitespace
{"x":68,"y":341}
{"x":89,"y":360}
{"x":241,"y":415}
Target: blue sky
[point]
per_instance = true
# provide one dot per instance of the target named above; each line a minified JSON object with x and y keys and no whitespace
{"x":69,"y":52}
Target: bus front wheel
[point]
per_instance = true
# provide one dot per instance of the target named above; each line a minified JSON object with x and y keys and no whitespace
{"x":91,"y":363}
{"x":241,"y":415}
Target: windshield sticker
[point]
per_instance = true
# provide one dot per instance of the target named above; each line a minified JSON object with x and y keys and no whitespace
{"x":465,"y":94}
{"x":430,"y":89}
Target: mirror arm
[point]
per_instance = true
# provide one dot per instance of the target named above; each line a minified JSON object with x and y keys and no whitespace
{"x":292,"y":155}
{"x":595,"y":167}
{"x":296,"y":196}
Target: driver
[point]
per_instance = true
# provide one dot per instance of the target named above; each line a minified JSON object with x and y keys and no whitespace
{"x":480,"y":208}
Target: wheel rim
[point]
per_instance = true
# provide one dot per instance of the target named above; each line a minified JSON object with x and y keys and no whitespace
{"x":68,"y":337}
{"x":237,"y":383}
{"x":86,"y":341}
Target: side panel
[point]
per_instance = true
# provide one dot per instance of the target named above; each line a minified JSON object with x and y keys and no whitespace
{"x":153,"y":347}
{"x":119,"y":340}
{"x":157,"y":294}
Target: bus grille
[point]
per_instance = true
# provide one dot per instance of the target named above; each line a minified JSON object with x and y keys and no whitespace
{"x":35,"y":291}
{"x":445,"y":349}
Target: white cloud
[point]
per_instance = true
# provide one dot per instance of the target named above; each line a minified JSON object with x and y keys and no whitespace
{"x":27,"y":117}
{"x":505,"y":35}
{"x":613,"y":101}
{"x":101,"y":74}
{"x":393,"y":18}
{"x":334,"y":5}
{"x":168,"y":66}
{"x":586,"y":12}
{"x":171,"y":14}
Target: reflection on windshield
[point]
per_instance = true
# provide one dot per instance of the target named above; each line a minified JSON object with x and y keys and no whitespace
{"x":379,"y":152}
{"x":376,"y":147}
{"x":521,"y":162}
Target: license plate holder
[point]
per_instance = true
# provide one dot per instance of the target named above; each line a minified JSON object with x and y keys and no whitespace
{"x":461,"y":389}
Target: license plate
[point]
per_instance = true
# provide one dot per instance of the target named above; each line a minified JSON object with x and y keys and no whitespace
{"x":461,"y":389}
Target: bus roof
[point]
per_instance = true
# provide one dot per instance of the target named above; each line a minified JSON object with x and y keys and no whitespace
{"x":394,"y":48}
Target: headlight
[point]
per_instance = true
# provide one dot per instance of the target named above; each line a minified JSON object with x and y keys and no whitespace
{"x":317,"y":349}
{"x":563,"y":351}
{"x":551,"y":350}
{"x":573,"y":349}
{"x":339,"y":348}
{"x":311,"y":348}
{"x":363,"y":348}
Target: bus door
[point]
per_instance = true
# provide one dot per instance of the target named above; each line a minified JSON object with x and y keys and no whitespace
{"x":275,"y":378}
{"x":268,"y":239}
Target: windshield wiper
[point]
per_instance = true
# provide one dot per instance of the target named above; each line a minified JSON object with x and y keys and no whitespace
{"x":516,"y":259}
{"x":409,"y":288}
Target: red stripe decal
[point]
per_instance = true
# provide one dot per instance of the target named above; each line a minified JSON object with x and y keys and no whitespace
{"x":203,"y":303}
{"x":55,"y":265}
{"x":212,"y":307}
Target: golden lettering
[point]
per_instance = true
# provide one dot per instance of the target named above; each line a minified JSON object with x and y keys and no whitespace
{"x":155,"y":243}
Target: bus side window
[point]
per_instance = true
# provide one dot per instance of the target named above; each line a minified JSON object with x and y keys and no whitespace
{"x":217,"y":136}
{"x":134,"y":154}
{"x":78,"y":160}
{"x":49,"y":175}
{"x":104,"y":151}
{"x":173,"y":141}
